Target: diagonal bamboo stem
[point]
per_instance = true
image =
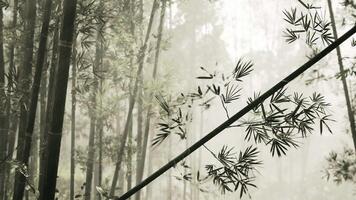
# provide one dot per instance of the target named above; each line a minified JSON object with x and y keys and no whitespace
{"x":239,"y":114}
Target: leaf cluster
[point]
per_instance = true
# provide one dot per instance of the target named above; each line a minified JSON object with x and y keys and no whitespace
{"x":173,"y":118}
{"x":177,"y":114}
{"x":341,"y":167}
{"x":308,"y":24}
{"x":234,"y":172}
{"x":281,"y":120}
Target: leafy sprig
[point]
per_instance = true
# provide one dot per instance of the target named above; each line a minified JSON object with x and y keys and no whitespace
{"x":234,"y":172}
{"x":341,"y":167}
{"x":308,"y":24}
{"x":278,"y":122}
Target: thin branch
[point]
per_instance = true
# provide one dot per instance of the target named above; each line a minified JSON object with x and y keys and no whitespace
{"x":223,"y":105}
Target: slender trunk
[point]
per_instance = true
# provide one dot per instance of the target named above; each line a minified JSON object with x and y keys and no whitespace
{"x":129,"y":156}
{"x":49,"y":106}
{"x":12,"y":116}
{"x":121,"y":184}
{"x":35,"y":89}
{"x":100,"y":159}
{"x":201,"y":132}
{"x":139,"y":126}
{"x":4,"y":123}
{"x":100,"y":57}
{"x":73,"y":119}
{"x":24,"y":139}
{"x":185,"y":172}
{"x":55,"y":133}
{"x":169,"y":185}
{"x":101,"y":134}
{"x":141,"y":165}
{"x":43,"y":96}
{"x":141,"y":59}
{"x":93,"y":107}
{"x":139,"y":108}
{"x":139,"y":133}
{"x":33,"y":161}
{"x":150,"y":169}
{"x":350,"y":112}
{"x":91,"y":151}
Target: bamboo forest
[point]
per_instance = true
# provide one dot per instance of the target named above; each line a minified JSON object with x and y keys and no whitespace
{"x":177,"y":99}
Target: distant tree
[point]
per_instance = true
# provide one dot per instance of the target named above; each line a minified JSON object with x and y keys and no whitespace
{"x":141,"y":59}
{"x":40,"y":62}
{"x":141,"y":163}
{"x":4,"y":123}
{"x":73,"y":119}
{"x":24,"y":87}
{"x":93,"y":109}
{"x":341,"y":166}
{"x":13,"y":103}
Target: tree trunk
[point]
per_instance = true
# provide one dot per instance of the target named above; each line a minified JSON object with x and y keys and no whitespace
{"x":141,"y":165}
{"x":13,"y":123}
{"x":91,"y":151}
{"x":4,"y":122}
{"x":129,"y":158}
{"x":139,"y":110}
{"x":101,"y":133}
{"x":100,"y":158}
{"x":35,"y":88}
{"x":169,"y":181}
{"x":350,"y":112}
{"x":73,"y":119}
{"x":150,"y":169}
{"x":121,"y":178}
{"x":139,"y":134}
{"x":100,"y":54}
{"x":43,"y":103}
{"x":93,"y":106}
{"x":49,"y":106}
{"x":55,"y":133}
{"x":24,"y":140}
{"x":185,"y":172}
{"x":201,"y":132}
{"x":33,"y":161}
{"x":141,"y":59}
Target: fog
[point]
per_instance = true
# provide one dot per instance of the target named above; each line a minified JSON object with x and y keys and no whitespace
{"x":215,"y":35}
{"x":135,"y":68}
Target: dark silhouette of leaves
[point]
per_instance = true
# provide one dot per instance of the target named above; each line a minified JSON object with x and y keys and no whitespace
{"x":242,"y":69}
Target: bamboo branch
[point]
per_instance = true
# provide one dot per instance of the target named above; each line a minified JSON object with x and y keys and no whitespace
{"x":239,"y":114}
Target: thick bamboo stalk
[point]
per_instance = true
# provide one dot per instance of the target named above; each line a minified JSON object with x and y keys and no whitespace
{"x":55,"y":134}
